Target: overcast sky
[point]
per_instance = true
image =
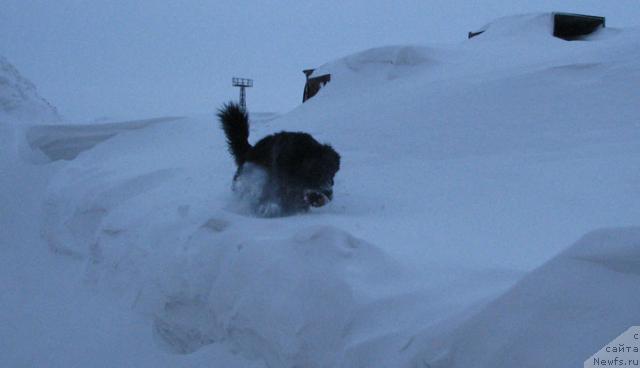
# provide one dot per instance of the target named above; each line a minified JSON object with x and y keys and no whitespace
{"x":127,"y":58}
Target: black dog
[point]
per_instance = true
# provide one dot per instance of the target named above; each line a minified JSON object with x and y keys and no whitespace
{"x":297,"y":170}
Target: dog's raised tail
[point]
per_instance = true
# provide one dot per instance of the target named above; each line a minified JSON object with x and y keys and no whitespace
{"x":235,"y":123}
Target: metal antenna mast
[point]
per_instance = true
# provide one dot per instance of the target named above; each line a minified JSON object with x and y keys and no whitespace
{"x":242,"y":83}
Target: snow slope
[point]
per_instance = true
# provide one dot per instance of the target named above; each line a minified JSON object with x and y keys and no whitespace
{"x":19,"y":99}
{"x":20,"y":106}
{"x":467,"y":170}
{"x":586,"y":296}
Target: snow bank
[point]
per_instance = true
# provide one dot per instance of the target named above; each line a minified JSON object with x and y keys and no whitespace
{"x":156,"y":228}
{"x":376,"y":66}
{"x":287,"y":301}
{"x":534,"y":25}
{"x":288,"y":298}
{"x":20,"y":105}
{"x":65,"y":142}
{"x":19,"y":99}
{"x":560,"y":314}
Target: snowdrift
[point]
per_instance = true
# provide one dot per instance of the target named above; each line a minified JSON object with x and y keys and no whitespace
{"x":20,"y":106}
{"x":287,"y":292}
{"x":467,"y":170}
{"x":19,"y":99}
{"x":48,"y":143}
{"x":559,"y":314}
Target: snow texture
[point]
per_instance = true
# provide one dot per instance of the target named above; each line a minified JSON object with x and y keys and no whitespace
{"x":19,"y":99}
{"x":467,"y":171}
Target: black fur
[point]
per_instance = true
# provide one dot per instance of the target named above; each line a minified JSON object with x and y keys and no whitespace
{"x":300,"y":170}
{"x":235,"y":123}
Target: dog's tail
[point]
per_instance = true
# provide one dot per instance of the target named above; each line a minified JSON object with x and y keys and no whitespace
{"x":235,"y":123}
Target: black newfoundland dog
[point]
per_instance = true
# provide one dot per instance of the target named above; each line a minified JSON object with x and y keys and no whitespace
{"x":283,"y":173}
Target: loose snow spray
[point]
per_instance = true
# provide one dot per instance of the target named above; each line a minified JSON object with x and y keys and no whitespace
{"x":253,"y":194}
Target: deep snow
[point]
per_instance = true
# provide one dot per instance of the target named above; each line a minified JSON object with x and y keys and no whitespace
{"x":19,"y":98}
{"x":467,"y":171}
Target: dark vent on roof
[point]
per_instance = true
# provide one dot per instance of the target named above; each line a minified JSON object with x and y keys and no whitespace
{"x":313,"y":85}
{"x":575,"y":26}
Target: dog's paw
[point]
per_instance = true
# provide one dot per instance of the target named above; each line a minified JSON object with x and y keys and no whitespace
{"x":316,"y":199}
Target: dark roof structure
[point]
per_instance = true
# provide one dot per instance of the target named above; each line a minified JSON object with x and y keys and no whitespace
{"x":313,"y":85}
{"x":569,"y":26}
{"x":574,"y":26}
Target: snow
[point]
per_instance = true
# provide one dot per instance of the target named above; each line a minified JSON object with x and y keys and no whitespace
{"x":19,"y":99}
{"x":588,"y":294}
{"x":467,"y":171}
{"x":66,"y":142}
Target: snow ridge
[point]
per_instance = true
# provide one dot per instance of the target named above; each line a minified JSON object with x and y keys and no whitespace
{"x":19,"y":99}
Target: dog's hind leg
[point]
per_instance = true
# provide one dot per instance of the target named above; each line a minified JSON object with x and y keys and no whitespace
{"x":269,"y":203}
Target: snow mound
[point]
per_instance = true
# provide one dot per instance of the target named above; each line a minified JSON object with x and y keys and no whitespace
{"x":288,"y":301}
{"x":538,"y":25}
{"x":65,"y":142}
{"x":119,"y":183}
{"x":293,"y":294}
{"x":19,"y":99}
{"x":377,"y":65}
{"x":586,"y":296}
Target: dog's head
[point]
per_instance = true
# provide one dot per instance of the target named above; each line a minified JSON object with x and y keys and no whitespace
{"x":310,"y":168}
